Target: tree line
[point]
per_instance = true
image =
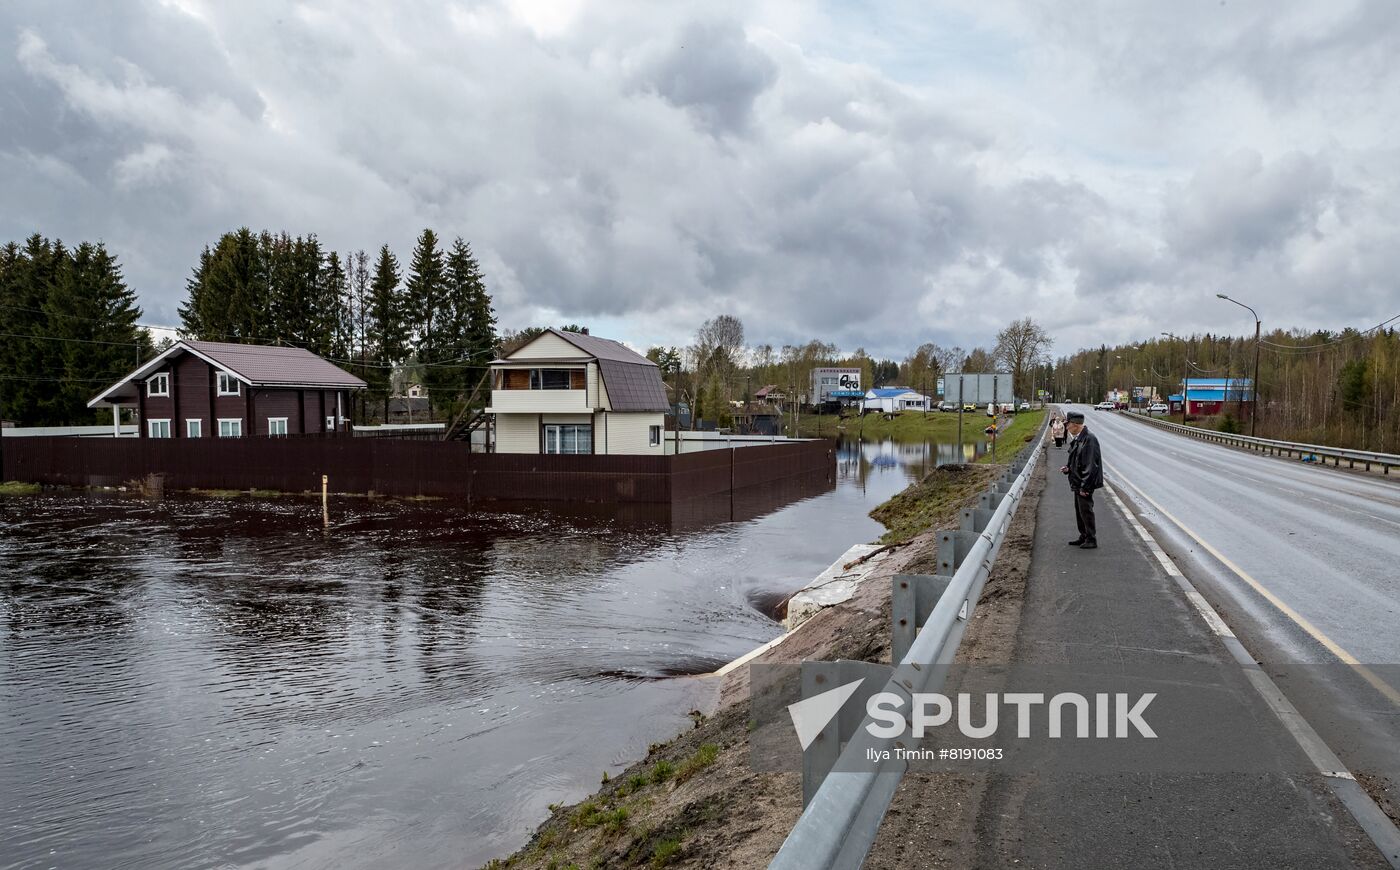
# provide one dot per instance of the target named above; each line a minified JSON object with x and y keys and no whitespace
{"x":72,"y":325}
{"x":1338,"y":388}
{"x":434,"y":322}
{"x":70,"y":329}
{"x":718,"y":371}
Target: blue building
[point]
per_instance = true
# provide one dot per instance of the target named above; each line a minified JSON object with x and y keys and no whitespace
{"x":892,"y":400}
{"x":1209,"y":397}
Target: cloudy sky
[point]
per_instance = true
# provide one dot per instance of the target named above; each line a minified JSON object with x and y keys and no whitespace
{"x":876,"y":175}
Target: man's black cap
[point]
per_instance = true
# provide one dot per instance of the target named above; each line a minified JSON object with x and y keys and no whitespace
{"x":1074,"y":417}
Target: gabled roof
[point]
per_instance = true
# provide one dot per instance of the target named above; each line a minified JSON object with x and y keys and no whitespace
{"x":602,"y":348}
{"x":257,"y":365}
{"x":633,"y":382}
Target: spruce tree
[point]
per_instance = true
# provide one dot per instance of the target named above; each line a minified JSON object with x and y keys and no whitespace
{"x":34,"y":357}
{"x":469,"y":327}
{"x":93,"y":316}
{"x":227,"y":296}
{"x":336,"y":306}
{"x":359,"y":319}
{"x":71,"y":324}
{"x":425,"y":293}
{"x":387,"y":331}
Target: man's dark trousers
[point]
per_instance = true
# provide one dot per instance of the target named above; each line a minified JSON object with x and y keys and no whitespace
{"x":1084,"y":516}
{"x":1085,"y":466}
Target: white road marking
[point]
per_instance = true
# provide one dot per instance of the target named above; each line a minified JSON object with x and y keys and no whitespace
{"x":1298,"y":619}
{"x":1363,"y":807}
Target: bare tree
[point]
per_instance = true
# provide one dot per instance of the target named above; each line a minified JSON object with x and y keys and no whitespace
{"x":1018,"y":346}
{"x":950,"y":359}
{"x":979,"y":360}
{"x":718,"y":351}
{"x":921,"y":366}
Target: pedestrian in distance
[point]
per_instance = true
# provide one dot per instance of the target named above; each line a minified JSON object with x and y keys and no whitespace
{"x":1085,"y":470}
{"x":1057,"y":431}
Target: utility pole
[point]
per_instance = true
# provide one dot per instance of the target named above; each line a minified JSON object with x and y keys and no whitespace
{"x":961,"y":401}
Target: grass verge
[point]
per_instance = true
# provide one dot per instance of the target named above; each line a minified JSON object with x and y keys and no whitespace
{"x":14,"y":487}
{"x":918,"y":507}
{"x":1015,"y":436}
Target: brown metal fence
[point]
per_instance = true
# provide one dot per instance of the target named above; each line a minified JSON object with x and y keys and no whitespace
{"x":405,"y":467}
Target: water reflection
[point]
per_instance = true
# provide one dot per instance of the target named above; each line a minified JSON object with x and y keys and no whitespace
{"x":198,"y":682}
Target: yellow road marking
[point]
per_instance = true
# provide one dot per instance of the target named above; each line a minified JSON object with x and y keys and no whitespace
{"x":1301,"y":621}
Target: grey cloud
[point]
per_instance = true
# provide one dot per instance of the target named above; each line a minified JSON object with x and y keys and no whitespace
{"x":1239,"y":207}
{"x":711,"y":70}
{"x":606,"y":172}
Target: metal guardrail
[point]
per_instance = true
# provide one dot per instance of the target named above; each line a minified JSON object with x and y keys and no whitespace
{"x":844,"y":810}
{"x":1368,"y":458}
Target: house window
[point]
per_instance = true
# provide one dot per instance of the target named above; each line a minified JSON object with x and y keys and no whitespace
{"x":654,"y":435}
{"x":228,"y":384}
{"x":549,"y":379}
{"x":231,"y":428}
{"x":158,"y":385}
{"x":194,"y":428}
{"x":568,"y":438}
{"x":158,"y":428}
{"x":277,"y":425}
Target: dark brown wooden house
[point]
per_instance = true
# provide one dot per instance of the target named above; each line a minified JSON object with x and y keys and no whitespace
{"x":209,"y":389}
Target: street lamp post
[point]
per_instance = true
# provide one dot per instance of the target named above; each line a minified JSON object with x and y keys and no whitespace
{"x":1254,"y":415}
{"x":1130,"y":383}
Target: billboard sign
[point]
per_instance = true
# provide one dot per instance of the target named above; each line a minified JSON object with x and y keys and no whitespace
{"x":833,"y":384}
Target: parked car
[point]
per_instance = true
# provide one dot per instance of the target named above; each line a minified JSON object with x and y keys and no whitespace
{"x":1104,"y":406}
{"x":947,"y":406}
{"x":969,"y":407}
{"x":1025,"y":406}
{"x":1159,"y":408}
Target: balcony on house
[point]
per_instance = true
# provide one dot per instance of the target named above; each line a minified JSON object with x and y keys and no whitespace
{"x":540,"y":390}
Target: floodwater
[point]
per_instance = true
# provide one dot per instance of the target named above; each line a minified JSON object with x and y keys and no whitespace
{"x":200,"y":682}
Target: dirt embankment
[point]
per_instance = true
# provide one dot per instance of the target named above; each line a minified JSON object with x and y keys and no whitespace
{"x":696,"y":801}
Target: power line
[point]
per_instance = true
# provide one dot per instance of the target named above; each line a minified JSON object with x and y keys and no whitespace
{"x":106,"y":380}
{"x":1334,"y":342}
{"x":72,"y":340}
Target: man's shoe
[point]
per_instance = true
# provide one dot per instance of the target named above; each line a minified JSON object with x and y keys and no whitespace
{"x":1078,"y":543}
{"x":1089,"y":545}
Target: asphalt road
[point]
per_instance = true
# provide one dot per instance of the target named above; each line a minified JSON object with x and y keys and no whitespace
{"x":1303,"y":562}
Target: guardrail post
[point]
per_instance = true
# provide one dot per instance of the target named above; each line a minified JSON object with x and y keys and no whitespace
{"x":912,"y":599}
{"x":975,"y":519}
{"x":818,"y":677}
{"x":952,"y":548}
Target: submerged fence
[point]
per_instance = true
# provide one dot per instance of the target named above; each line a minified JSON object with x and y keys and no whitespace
{"x":405,"y":468}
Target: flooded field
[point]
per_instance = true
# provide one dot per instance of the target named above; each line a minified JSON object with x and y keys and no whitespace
{"x":198,"y":682}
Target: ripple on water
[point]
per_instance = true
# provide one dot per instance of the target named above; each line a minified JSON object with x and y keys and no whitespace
{"x":203,"y":681}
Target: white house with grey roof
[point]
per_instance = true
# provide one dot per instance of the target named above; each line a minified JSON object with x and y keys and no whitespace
{"x":567,"y":392}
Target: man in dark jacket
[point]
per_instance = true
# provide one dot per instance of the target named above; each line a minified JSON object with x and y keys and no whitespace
{"x":1085,"y":470}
